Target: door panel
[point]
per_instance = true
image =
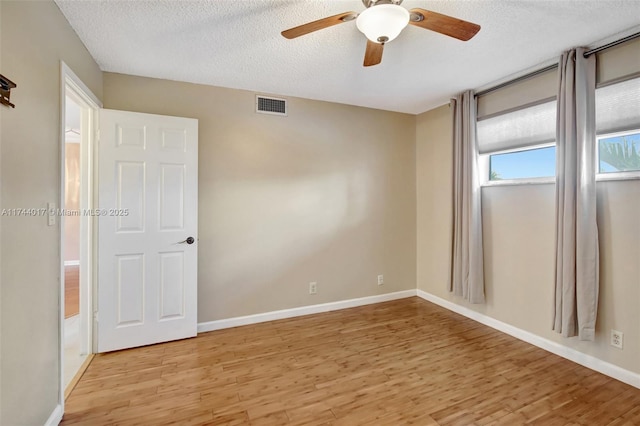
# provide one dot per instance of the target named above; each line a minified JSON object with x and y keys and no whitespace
{"x":130,"y":289}
{"x":174,"y":139}
{"x":171,"y":285}
{"x":131,"y":135}
{"x":172,"y":194}
{"x":130,"y":196}
{"x":148,"y":171}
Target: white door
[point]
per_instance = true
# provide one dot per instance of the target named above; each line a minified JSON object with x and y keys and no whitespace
{"x":147,"y":229}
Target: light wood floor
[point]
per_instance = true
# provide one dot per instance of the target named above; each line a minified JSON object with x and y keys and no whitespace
{"x":71,"y":290}
{"x":395,"y":363}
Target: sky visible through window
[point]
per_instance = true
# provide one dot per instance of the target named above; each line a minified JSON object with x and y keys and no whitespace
{"x":531,"y":163}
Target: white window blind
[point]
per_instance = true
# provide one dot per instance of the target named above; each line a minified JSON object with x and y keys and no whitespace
{"x":533,"y":90}
{"x":534,"y":125}
{"x":618,"y":107}
{"x":618,"y":63}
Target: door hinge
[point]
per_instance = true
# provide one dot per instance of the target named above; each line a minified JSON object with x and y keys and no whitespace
{"x":95,"y":316}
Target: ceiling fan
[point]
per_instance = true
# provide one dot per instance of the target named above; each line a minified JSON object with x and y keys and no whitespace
{"x":383,"y":20}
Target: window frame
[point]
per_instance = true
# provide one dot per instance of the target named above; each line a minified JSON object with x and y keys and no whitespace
{"x":620,"y":175}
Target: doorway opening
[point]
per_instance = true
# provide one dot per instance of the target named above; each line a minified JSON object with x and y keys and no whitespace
{"x":79,"y":108}
{"x":75,"y":353}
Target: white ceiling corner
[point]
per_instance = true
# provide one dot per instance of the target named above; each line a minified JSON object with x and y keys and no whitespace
{"x":237,"y":44}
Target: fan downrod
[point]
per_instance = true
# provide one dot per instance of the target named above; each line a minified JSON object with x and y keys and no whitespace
{"x":369,"y":3}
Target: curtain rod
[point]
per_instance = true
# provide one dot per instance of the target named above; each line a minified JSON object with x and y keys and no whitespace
{"x":517,"y":79}
{"x":554,"y":66}
{"x":612,"y":44}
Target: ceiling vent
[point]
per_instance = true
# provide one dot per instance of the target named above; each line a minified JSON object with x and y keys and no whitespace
{"x":273,"y":106}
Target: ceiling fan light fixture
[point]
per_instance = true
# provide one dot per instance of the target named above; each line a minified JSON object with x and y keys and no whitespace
{"x":383,"y":23}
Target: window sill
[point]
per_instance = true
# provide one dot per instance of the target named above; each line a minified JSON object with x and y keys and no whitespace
{"x":606,"y":177}
{"x":600,"y":177}
{"x":513,"y":182}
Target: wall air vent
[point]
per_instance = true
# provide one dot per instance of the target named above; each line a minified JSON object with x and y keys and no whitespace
{"x":275,"y":106}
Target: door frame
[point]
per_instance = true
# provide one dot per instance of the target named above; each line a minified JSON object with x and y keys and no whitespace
{"x":71,"y":85}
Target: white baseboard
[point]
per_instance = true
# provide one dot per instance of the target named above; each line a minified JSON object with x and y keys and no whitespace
{"x":56,"y":416}
{"x":303,"y":310}
{"x":611,"y":370}
{"x":71,"y":263}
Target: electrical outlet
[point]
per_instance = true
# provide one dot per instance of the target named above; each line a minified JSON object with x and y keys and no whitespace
{"x":617,"y":338}
{"x":380,"y":279}
{"x":313,"y":287}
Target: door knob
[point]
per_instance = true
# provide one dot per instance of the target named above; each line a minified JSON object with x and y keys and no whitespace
{"x":189,"y":240}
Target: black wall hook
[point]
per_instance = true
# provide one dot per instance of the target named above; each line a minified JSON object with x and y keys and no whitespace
{"x":5,"y":90}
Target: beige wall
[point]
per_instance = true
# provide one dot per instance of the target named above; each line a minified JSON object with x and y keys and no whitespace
{"x":326,"y":194}
{"x":35,"y":37}
{"x":518,"y":226}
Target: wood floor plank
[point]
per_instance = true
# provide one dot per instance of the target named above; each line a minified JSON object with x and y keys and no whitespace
{"x":71,"y":290}
{"x":395,"y":363}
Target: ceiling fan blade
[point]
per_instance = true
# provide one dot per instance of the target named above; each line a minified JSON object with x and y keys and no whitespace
{"x":443,"y":24}
{"x":373,"y":54}
{"x":319,"y":24}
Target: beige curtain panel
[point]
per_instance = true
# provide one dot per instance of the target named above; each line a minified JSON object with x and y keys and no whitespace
{"x":467,"y":270}
{"x":577,"y":257}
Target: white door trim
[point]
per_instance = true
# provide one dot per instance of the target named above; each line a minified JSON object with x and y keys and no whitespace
{"x":72,"y":85}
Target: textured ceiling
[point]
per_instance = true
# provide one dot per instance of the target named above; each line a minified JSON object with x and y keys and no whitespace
{"x":237,"y":44}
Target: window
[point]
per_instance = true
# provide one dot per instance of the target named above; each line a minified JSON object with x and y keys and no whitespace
{"x":618,"y":128}
{"x":516,"y":122}
{"x":523,"y":164}
{"x":619,"y":152}
{"x":519,"y":145}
